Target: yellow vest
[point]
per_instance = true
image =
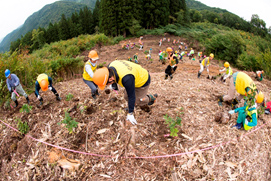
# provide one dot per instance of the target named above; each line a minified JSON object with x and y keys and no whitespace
{"x":124,"y":68}
{"x":203,"y":61}
{"x":229,"y":70}
{"x":85,"y":74}
{"x":42,"y":77}
{"x":242,"y":82}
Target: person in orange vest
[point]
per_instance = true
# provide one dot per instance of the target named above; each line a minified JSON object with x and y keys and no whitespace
{"x":89,"y":69}
{"x":44,"y":82}
{"x":135,"y":79}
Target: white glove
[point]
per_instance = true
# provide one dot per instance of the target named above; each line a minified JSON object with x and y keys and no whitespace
{"x":231,"y":111}
{"x":246,"y":121}
{"x":220,"y":70}
{"x":173,"y":66}
{"x":39,"y":97}
{"x":50,"y":88}
{"x":131,"y":118}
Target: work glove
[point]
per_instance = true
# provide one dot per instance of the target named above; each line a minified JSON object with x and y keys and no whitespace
{"x":231,"y":111}
{"x":131,"y":118}
{"x":39,"y":97}
{"x":246,"y":121}
{"x":173,"y":66}
{"x":50,"y":88}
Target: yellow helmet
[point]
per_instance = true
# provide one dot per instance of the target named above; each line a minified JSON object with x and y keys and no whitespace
{"x":169,"y":49}
{"x":226,"y":64}
{"x":164,"y":52}
{"x":212,"y":55}
{"x":259,"y":97}
{"x":176,"y":51}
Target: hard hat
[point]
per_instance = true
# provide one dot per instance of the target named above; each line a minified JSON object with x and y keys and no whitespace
{"x":7,"y":73}
{"x":176,"y":51}
{"x":191,"y":48}
{"x":226,"y":64}
{"x":259,"y":97}
{"x":128,"y":57}
{"x":44,"y":85}
{"x":93,"y":55}
{"x":169,"y":49}
{"x":136,"y":53}
{"x":212,"y":55}
{"x":164,"y":52}
{"x":100,"y":77}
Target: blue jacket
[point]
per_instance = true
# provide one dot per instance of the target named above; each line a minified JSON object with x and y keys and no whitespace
{"x":13,"y":82}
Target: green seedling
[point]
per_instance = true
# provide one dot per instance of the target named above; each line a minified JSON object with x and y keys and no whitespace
{"x":26,"y":108}
{"x":172,"y":124}
{"x":69,"y":97}
{"x":70,"y":123}
{"x":22,"y":126}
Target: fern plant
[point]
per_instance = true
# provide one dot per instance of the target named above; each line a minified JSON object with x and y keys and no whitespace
{"x":70,"y":123}
{"x":26,"y":108}
{"x":172,"y":124}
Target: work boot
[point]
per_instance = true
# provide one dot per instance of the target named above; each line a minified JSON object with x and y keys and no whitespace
{"x":152,"y":99}
{"x":16,"y":103}
{"x":97,"y":93}
{"x":199,"y":74}
{"x":41,"y":102}
{"x":94,"y":96}
{"x":171,"y":77}
{"x":28,"y":102}
{"x":57,"y":97}
{"x":234,"y":103}
{"x":166,"y":76}
{"x":238,"y":126}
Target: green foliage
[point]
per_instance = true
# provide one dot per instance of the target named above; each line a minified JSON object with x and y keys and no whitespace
{"x":172,"y":124}
{"x":22,"y":126}
{"x":70,"y":123}
{"x":69,"y":97}
{"x":26,"y":108}
{"x":101,"y":65}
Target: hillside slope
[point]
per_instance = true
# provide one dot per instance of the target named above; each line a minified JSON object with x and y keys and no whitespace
{"x":204,"y":149}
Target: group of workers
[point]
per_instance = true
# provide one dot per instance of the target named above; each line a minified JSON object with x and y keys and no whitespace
{"x":136,"y":81}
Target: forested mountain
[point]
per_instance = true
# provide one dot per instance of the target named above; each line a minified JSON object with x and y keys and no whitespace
{"x":50,"y":13}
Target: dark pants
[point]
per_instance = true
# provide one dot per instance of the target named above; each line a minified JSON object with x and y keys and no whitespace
{"x":169,"y":70}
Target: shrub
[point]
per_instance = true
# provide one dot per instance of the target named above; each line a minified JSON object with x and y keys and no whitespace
{"x":172,"y":125}
{"x":70,"y":123}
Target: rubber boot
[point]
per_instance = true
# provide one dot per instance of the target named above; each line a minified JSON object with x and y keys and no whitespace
{"x":28,"y":102}
{"x":152,"y":99}
{"x":166,"y":76}
{"x":199,"y":74}
{"x":57,"y":97}
{"x":238,"y":126}
{"x":41,"y":101}
{"x":16,"y":103}
{"x":171,"y":77}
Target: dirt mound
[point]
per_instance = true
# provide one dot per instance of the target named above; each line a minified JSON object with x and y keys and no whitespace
{"x":203,"y":150}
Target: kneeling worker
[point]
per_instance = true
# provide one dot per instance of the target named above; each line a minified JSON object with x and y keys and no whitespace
{"x":135,"y":79}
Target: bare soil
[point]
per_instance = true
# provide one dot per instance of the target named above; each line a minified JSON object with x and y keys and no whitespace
{"x":102,"y":130}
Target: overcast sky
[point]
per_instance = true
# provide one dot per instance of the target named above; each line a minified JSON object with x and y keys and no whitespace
{"x":13,"y":13}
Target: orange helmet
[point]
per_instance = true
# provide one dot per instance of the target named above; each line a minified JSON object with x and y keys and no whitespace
{"x":100,"y":77}
{"x":93,"y":55}
{"x":262,"y":72}
{"x":44,"y":85}
{"x":169,"y":49}
{"x":259,"y":97}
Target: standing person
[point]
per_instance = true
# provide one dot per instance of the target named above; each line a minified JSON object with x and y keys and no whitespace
{"x":141,"y":46}
{"x":135,"y":79}
{"x":136,"y":57}
{"x":13,"y":84}
{"x":205,"y":64}
{"x":247,"y":116}
{"x":89,"y":69}
{"x":241,"y":83}
{"x":160,"y":42}
{"x":228,"y":71}
{"x":191,"y":53}
{"x":259,"y":75}
{"x":171,"y":68}
{"x":44,"y":82}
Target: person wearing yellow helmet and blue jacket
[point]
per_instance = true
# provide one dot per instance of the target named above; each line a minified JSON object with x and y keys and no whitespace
{"x":228,"y":72}
{"x":247,"y":116}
